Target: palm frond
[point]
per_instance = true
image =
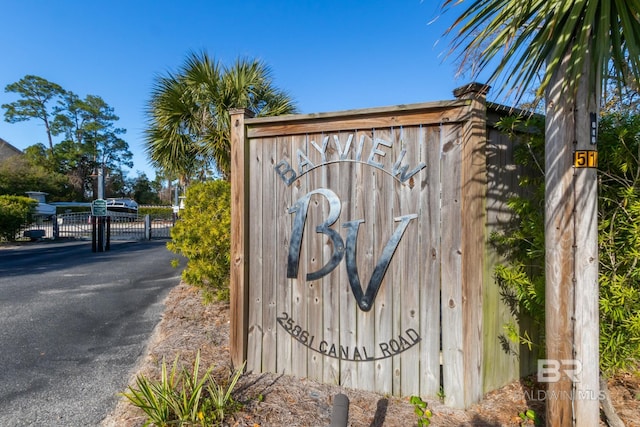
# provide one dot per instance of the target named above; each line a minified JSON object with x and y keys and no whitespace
{"x":188,"y":114}
{"x":518,"y":39}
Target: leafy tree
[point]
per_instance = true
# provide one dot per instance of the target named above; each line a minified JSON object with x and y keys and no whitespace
{"x":188,"y":130}
{"x":145,"y":192}
{"x":619,"y":235}
{"x":36,"y":96}
{"x":89,"y":137}
{"x":68,"y":120}
{"x":92,"y":139}
{"x":39,"y":155}
{"x":118,"y":185}
{"x":98,"y":134}
{"x":576,"y":44}
{"x":621,"y":97}
{"x":166,"y":193}
{"x":76,"y":163}
{"x":19,"y":175}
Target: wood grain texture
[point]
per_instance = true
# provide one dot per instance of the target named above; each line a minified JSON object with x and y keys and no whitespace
{"x":239,"y":274}
{"x":451,"y":269}
{"x":281,"y":224}
{"x":474,"y":190}
{"x":587,"y":331}
{"x":401,"y":115}
{"x":257,"y":270}
{"x":426,"y":160}
{"x":430,"y":272}
{"x":559,"y":247}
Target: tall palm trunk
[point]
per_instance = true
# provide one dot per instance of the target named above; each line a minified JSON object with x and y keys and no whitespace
{"x":571,"y":254}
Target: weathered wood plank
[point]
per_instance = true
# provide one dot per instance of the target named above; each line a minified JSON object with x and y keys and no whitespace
{"x":350,"y":191}
{"x":239,"y":274}
{"x":331,"y":286}
{"x":500,"y":366}
{"x":407,"y":261}
{"x":317,"y":214}
{"x":449,"y":111}
{"x":366,"y":197}
{"x":270,"y":259}
{"x":397,"y":273}
{"x":256,"y":250}
{"x":451,"y":284}
{"x":284,"y":199}
{"x":380,"y":225}
{"x":299,"y":306}
{"x":430,"y":219}
{"x":474,"y":191}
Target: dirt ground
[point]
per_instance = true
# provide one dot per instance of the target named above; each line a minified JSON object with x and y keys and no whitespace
{"x":277,"y":400}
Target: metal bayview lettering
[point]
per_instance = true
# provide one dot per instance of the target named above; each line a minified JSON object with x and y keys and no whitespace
{"x":374,"y":156}
{"x":365,"y":300}
{"x":345,"y":248}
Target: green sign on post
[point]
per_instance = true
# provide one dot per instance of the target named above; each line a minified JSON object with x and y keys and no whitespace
{"x":99,"y":207}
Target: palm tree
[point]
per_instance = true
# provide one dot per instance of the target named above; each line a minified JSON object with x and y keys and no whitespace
{"x":170,"y":144}
{"x":571,"y":45}
{"x":188,"y":129}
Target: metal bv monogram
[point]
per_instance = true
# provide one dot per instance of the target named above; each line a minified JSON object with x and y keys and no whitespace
{"x":342,"y":249}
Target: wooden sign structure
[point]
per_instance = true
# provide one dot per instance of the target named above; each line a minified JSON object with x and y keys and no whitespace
{"x":358,"y":248}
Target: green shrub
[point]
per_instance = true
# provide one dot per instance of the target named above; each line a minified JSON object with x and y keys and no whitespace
{"x":522,"y":277}
{"x":15,"y":211}
{"x":163,"y":212}
{"x":184,"y":398}
{"x":619,"y":242}
{"x":203,"y":236}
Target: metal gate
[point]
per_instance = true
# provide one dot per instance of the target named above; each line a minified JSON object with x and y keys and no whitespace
{"x":160,"y":227}
{"x":77,"y":225}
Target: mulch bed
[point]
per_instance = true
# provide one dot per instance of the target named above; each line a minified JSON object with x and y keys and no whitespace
{"x":188,"y":326}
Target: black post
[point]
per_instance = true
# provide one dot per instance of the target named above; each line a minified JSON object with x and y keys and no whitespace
{"x":93,"y":233}
{"x":108,"y":233}
{"x":100,"y":234}
{"x":56,"y":228}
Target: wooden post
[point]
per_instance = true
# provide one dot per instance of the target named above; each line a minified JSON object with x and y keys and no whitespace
{"x":559,"y":291}
{"x":473,"y":192}
{"x":239,"y":275}
{"x":571,"y":257}
{"x":585,"y":187}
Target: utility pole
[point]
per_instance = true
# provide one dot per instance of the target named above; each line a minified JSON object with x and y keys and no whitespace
{"x":571,"y":251}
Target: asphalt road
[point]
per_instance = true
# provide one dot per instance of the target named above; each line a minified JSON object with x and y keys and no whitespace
{"x":73,"y":324}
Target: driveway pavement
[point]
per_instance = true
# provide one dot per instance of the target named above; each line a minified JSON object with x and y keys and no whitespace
{"x":73,"y":324}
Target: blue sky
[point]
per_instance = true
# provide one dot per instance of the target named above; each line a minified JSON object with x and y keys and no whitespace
{"x":328,"y":55}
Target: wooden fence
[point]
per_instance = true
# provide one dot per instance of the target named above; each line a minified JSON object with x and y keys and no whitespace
{"x":359,"y":248}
